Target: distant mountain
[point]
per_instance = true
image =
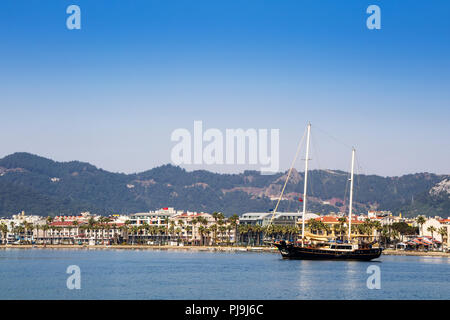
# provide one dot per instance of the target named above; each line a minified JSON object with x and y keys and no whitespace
{"x":42,"y":186}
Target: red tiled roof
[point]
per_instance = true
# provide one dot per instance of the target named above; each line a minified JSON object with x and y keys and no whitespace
{"x":68,"y":216}
{"x":63,"y":223}
{"x":185,"y":214}
{"x":118,"y":224}
{"x":329,"y":219}
{"x":70,"y":224}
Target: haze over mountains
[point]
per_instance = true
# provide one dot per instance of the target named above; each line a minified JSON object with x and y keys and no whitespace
{"x":42,"y":186}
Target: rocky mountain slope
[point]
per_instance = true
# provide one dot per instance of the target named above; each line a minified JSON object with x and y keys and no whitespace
{"x":42,"y":186}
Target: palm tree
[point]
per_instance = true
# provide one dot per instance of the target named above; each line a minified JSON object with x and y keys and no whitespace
{"x":222,"y":231}
{"x":229,"y":227}
{"x":336,"y":230}
{"x":75,"y":225}
{"x":178,"y":232}
{"x":233,"y":221}
{"x":114,"y":228}
{"x":432,"y":230}
{"x":172,"y":229}
{"x":208,"y":232}
{"x":443,"y":232}
{"x":166,"y":222}
{"x":194,"y":222}
{"x":313,"y":225}
{"x":325,"y":227}
{"x":394,"y":235}
{"x":133,"y":230}
{"x":91,"y":227}
{"x":420,"y":221}
{"x":53,"y":228}
{"x":188,"y":229}
{"x":213,"y":229}
{"x":37,"y":227}
{"x":20,"y":229}
{"x":256,"y":234}
{"x":340,"y":228}
{"x":220,"y":223}
{"x":385,"y":233}
{"x":367,"y":228}
{"x":268,"y":231}
{"x":151,"y":231}
{"x":250,"y":234}
{"x":4,"y":231}
{"x":378,"y":227}
{"x":161,"y":231}
{"x":146,"y":229}
{"x":201,"y":231}
{"x":45,"y":228}
{"x":106,"y":227}
{"x":204,"y":222}
{"x":27,"y":226}
{"x":126,"y":228}
{"x":242,"y":230}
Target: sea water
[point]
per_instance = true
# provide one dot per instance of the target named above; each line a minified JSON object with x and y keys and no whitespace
{"x":160,"y":274}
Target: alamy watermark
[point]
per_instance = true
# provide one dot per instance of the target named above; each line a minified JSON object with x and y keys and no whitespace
{"x":374,"y":20}
{"x":234,"y":146}
{"x":74,"y":280}
{"x":74,"y":20}
{"x":374,"y":280}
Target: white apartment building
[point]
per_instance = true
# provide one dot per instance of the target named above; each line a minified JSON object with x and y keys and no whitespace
{"x":159,"y":217}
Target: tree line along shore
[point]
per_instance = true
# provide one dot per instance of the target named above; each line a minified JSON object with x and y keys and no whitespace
{"x":191,"y":229}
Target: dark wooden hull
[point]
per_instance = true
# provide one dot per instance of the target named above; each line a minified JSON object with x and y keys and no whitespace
{"x":290,"y":251}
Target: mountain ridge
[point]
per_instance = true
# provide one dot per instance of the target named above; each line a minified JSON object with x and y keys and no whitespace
{"x":43,"y":186}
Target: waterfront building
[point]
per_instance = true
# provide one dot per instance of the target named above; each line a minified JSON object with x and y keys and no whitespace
{"x":157,"y":218}
{"x":337,"y":227}
{"x":20,"y":227}
{"x":432,"y":226}
{"x":203,"y":228}
{"x":178,"y":227}
{"x":93,"y":232}
{"x":255,"y":226}
{"x":280,"y":218}
{"x":84,"y":228}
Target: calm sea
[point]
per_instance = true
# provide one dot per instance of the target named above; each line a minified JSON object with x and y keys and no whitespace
{"x":150,"y":274}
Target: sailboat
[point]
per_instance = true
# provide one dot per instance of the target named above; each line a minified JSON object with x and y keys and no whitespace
{"x":322,"y":249}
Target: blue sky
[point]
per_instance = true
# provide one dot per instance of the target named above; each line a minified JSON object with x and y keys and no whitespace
{"x":112,"y":93}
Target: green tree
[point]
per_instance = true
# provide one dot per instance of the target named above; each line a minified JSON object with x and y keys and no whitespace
{"x":432,"y":229}
{"x":4,"y":231}
{"x":443,"y":232}
{"x":420,"y":221}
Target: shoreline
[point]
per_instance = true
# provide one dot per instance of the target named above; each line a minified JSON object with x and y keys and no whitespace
{"x":387,"y":252}
{"x":392,"y":252}
{"x":146,"y":247}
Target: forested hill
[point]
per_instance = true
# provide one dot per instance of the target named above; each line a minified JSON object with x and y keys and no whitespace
{"x":41,"y":186}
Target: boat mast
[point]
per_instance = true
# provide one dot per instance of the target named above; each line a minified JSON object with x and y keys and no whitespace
{"x":306,"y":183}
{"x":351,"y":197}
